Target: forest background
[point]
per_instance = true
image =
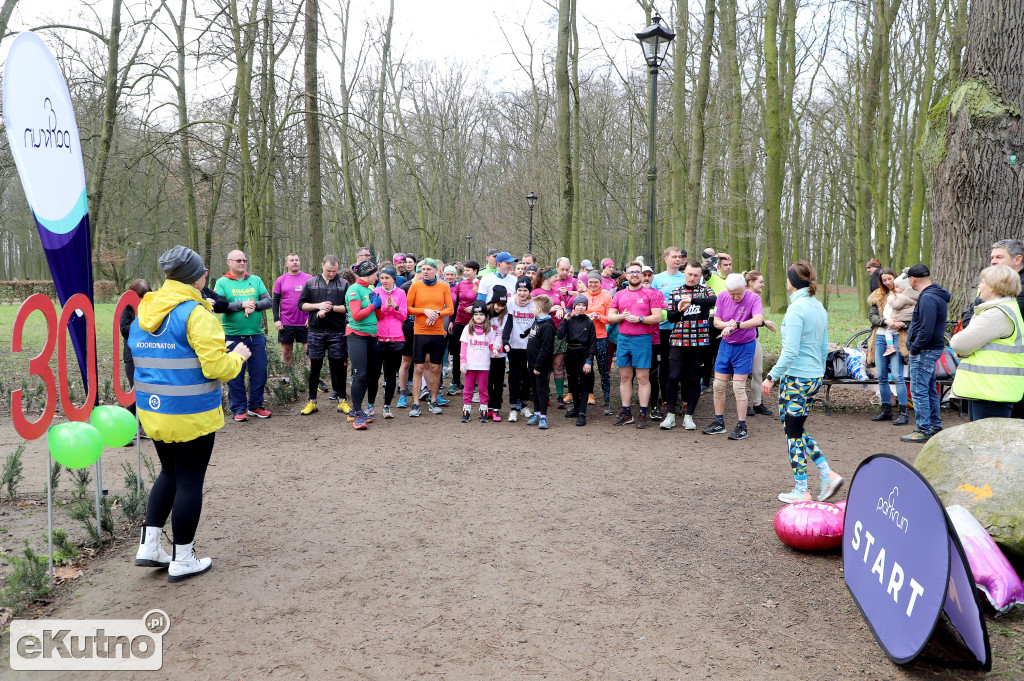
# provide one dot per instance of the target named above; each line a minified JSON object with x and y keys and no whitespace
{"x":814,"y":129}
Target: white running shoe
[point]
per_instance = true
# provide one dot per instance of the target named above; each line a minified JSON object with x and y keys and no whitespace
{"x":688,"y":423}
{"x":669,"y":422}
{"x":513,"y":416}
{"x":527,"y":413}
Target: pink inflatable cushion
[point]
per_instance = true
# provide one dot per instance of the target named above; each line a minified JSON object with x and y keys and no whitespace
{"x":993,"y":574}
{"x":810,"y":525}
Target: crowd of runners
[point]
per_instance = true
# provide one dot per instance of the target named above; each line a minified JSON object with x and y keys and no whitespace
{"x":419,"y":334}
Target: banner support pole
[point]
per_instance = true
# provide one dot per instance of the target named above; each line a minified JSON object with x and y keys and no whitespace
{"x":49,"y":511}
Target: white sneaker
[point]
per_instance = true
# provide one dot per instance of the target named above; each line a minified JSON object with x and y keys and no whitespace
{"x":185,"y":564}
{"x":513,"y":416}
{"x":688,"y":423}
{"x":151,"y":553}
{"x":669,"y":422}
{"x":527,"y":413}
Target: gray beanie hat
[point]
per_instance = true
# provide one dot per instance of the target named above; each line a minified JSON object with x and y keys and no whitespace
{"x":182,"y":264}
{"x":580,"y":300}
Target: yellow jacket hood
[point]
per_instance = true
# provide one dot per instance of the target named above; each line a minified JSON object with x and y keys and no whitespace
{"x":156,"y":305}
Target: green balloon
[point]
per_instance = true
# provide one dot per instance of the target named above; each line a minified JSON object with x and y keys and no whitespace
{"x":116,"y":425}
{"x":75,"y":444}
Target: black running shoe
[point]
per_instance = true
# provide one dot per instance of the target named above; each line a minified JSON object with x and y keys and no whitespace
{"x":715,"y":428}
{"x":738,"y":433}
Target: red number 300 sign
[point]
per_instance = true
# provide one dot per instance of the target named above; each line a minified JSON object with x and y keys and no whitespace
{"x":56,"y":338}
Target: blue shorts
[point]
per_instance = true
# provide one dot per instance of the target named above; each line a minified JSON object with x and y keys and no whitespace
{"x":634,"y":351}
{"x":735,"y":358}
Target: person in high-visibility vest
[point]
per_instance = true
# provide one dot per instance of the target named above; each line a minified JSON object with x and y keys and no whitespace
{"x":180,"y":360}
{"x":991,"y":374}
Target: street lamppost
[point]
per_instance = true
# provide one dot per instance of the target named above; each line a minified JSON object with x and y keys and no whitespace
{"x":654,"y":40}
{"x":532,"y":199}
{"x":469,"y":240}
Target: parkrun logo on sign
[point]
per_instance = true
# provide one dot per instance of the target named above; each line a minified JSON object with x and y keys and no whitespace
{"x":90,"y":645}
{"x":888,"y":509}
{"x":50,"y":136}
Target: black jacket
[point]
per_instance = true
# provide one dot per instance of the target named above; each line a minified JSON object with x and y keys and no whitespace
{"x":316,"y":291}
{"x":540,"y":348}
{"x":928,"y":326}
{"x":579,"y":332}
{"x":220,"y":303}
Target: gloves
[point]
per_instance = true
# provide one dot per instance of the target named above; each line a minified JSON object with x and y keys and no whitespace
{"x":375,"y":300}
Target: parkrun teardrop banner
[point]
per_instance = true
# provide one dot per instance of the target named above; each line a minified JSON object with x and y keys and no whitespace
{"x":904,"y":564}
{"x":43,"y":135}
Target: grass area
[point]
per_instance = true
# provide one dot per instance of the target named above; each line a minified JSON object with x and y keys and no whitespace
{"x":844,"y":320}
{"x":14,"y":367}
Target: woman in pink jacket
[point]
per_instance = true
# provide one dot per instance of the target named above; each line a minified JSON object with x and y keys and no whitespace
{"x":390,"y":339}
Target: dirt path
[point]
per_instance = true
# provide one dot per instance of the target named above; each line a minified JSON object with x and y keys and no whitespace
{"x":426,"y":548}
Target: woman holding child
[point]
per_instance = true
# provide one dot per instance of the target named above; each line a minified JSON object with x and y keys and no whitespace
{"x":892,"y":307}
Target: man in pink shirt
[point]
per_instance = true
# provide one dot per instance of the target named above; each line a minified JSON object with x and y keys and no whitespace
{"x":289,"y":320}
{"x":635,"y":309}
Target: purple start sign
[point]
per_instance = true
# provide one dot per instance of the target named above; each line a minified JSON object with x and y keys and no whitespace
{"x":899,"y":552}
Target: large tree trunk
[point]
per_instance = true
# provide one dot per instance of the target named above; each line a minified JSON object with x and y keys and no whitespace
{"x":977,"y":190}
{"x":314,"y":187}
{"x":563,"y":128}
{"x":774,"y":156}
{"x":699,"y":108}
{"x":109,"y":121}
{"x":678,"y":163}
{"x":183,"y":133}
{"x":382,"y":159}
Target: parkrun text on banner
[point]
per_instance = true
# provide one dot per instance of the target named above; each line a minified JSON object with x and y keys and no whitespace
{"x":903,"y":562}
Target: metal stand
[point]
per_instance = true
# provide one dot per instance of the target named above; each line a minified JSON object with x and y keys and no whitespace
{"x":49,"y":511}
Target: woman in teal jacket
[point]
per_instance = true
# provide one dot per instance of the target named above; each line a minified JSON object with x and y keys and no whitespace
{"x":798,"y":371}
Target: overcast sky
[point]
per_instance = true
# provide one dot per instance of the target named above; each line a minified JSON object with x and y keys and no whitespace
{"x":463,"y":30}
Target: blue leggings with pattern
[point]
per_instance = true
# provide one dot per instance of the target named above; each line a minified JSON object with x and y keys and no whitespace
{"x":796,"y":395}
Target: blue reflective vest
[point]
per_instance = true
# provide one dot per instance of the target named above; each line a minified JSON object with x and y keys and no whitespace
{"x":168,"y":376}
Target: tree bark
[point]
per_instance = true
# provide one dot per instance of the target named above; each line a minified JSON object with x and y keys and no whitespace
{"x":563,"y":127}
{"x":697,"y":111}
{"x":977,"y":192}
{"x":109,"y":121}
{"x":382,"y":158}
{"x":314,"y":186}
{"x":774,"y":157}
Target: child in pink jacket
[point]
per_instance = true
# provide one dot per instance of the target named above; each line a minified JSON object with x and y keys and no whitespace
{"x":479,"y":343}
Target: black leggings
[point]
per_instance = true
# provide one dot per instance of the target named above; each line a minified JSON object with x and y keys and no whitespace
{"x":179,"y":487}
{"x":389,"y":359}
{"x":579,"y":382}
{"x":664,"y":369}
{"x":519,"y":383}
{"x":540,"y":391}
{"x":362,"y":353}
{"x":455,"y":350}
{"x":337,"y":370}
{"x":685,"y":365}
{"x":659,"y":363}
{"x":496,"y":382}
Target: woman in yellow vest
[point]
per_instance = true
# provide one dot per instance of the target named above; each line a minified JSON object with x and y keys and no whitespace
{"x":991,"y":374}
{"x":180,"y":359}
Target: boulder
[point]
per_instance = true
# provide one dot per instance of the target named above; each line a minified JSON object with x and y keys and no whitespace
{"x":980,"y":465}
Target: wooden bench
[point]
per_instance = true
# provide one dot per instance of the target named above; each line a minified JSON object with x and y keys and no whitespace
{"x":860,"y":340}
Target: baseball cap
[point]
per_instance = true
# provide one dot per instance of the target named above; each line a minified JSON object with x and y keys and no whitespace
{"x":504,"y":256}
{"x":919,"y":270}
{"x":532,"y":268}
{"x":586,"y":265}
{"x":493,"y":251}
{"x":647,"y":268}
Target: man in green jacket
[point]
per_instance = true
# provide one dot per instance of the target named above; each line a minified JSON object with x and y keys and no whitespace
{"x":247,"y":299}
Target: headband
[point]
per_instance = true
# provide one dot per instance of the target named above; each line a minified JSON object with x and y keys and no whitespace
{"x":795,"y":279}
{"x":550,"y":273}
